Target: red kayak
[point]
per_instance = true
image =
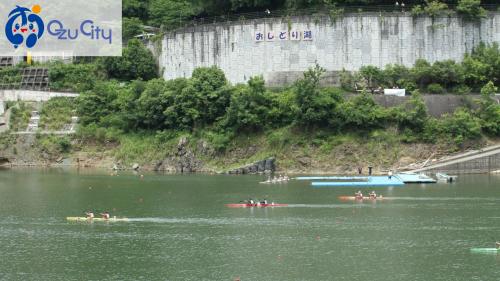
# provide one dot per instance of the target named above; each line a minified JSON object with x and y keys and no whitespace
{"x":248,"y":205}
{"x":353,"y":198}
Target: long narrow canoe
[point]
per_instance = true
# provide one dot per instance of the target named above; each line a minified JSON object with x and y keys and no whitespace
{"x":113,"y":219}
{"x":353,"y":198}
{"x":484,"y":250}
{"x":248,"y":205}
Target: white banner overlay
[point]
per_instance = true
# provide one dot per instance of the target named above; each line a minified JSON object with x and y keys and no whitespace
{"x":57,"y":27}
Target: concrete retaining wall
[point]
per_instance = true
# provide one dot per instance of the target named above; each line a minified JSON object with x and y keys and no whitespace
{"x":347,"y":43}
{"x":477,"y":166}
{"x":25,"y":95}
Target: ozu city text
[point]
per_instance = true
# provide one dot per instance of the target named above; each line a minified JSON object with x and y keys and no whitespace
{"x":87,"y":29}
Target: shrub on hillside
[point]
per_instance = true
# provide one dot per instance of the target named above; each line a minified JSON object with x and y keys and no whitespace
{"x":489,"y":110}
{"x":435,"y":88}
{"x":136,"y":62}
{"x":98,"y":103}
{"x":56,"y":113}
{"x":73,"y":77}
{"x":362,"y":113}
{"x":413,"y":114}
{"x":482,"y":66}
{"x":131,"y":28}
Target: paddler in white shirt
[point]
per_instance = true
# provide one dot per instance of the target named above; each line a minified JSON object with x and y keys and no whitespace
{"x":105,"y":215}
{"x":358,"y":195}
{"x":89,"y":214}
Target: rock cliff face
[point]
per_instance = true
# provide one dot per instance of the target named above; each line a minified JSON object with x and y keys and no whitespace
{"x":263,"y":166}
{"x":183,"y":160}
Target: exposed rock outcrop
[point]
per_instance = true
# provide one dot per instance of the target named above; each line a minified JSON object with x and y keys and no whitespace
{"x":183,"y":160}
{"x":263,"y":166}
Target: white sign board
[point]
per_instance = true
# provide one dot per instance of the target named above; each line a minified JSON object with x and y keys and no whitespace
{"x":395,"y":92}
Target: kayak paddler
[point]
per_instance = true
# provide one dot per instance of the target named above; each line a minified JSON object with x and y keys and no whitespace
{"x":89,"y":214}
{"x":373,"y":195}
{"x":497,"y":245}
{"x":358,"y":195}
{"x":105,"y":215}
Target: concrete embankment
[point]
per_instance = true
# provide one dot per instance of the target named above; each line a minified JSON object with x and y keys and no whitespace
{"x":485,"y":160}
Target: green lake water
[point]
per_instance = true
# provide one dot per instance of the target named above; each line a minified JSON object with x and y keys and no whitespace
{"x":180,"y":229}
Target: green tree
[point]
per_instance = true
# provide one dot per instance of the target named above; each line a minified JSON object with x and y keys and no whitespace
{"x":435,"y":8}
{"x":461,"y":126}
{"x":471,"y":9}
{"x":131,"y":28}
{"x":413,"y":114}
{"x":395,"y":74}
{"x":362,"y":113}
{"x":151,"y":104}
{"x":447,"y":73}
{"x":316,"y":107}
{"x":249,"y":107}
{"x":489,"y":110}
{"x":373,"y":76}
{"x":136,"y":8}
{"x":203,"y":100}
{"x":170,"y":13}
{"x":482,"y":65}
{"x":282,"y":108}
{"x":129,"y":117}
{"x":422,"y":73}
{"x":95,"y":104}
{"x":137,"y":62}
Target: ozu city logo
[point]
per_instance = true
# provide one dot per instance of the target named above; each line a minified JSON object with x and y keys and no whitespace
{"x":25,"y":25}
{"x":24,"y":22}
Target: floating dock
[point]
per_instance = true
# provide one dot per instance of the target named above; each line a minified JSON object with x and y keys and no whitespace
{"x":375,"y":181}
{"x":360,"y":181}
{"x":415,"y":178}
{"x":331,"y":178}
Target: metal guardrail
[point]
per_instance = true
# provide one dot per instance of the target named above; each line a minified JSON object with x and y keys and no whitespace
{"x":325,"y":11}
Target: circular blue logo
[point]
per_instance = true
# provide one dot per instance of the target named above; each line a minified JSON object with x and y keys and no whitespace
{"x":24,"y":26}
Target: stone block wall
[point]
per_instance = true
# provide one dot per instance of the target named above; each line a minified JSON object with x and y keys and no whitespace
{"x":347,"y":43}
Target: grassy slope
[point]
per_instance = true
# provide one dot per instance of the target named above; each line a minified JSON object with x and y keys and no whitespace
{"x":296,"y":152}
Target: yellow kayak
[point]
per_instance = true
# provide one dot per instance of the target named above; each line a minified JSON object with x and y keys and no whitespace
{"x":112,"y":219}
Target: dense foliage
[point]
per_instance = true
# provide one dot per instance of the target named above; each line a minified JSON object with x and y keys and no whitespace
{"x":206,"y":103}
{"x":137,"y":63}
{"x":477,"y":69}
{"x":134,"y":101}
